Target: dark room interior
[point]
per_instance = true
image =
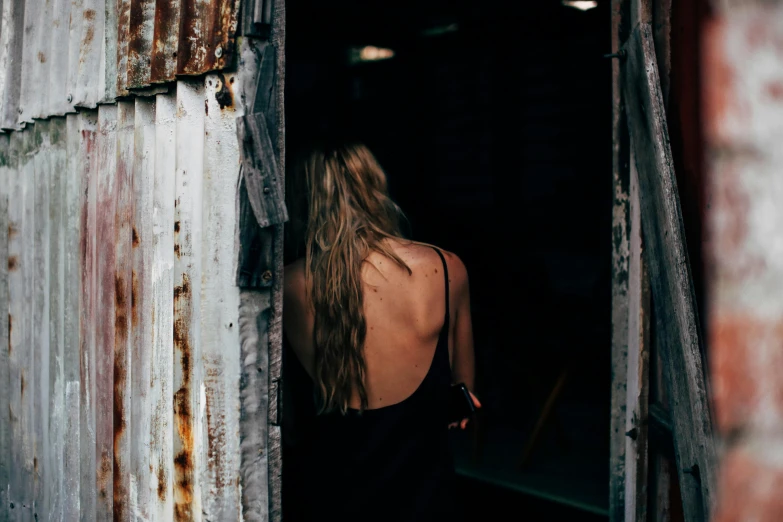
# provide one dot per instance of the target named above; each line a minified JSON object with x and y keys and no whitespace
{"x":492,"y":122}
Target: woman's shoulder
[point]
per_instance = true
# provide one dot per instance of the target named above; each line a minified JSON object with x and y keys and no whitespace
{"x":426,"y":255}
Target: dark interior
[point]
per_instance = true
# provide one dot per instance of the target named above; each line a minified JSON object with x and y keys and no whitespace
{"x":492,"y":121}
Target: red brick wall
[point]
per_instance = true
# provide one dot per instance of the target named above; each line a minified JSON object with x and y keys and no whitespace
{"x":743,"y":127}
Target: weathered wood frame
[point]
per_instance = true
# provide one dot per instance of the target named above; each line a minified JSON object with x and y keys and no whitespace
{"x":649,"y":252}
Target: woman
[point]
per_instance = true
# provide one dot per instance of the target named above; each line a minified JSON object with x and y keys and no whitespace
{"x":382,"y":327}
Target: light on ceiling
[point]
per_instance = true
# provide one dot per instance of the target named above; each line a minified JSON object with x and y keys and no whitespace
{"x":582,"y":5}
{"x":370,"y":53}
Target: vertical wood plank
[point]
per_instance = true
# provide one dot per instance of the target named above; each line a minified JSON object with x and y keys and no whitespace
{"x":72,"y":284}
{"x":7,"y":176}
{"x":188,"y":442}
{"x":276,"y":320}
{"x":105,"y":308}
{"x":87,"y":169}
{"x":220,"y":301}
{"x":621,"y":229}
{"x":123,"y":296}
{"x":162,"y":445}
{"x":40,"y":319}
{"x":671,"y":282}
{"x":254,"y":311}
{"x":143,"y":403}
{"x":637,"y":381}
{"x":56,"y":290}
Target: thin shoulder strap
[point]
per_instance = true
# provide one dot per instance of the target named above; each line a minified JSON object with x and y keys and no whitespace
{"x":446,"y":278}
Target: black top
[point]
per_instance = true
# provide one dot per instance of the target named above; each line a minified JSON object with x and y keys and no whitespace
{"x":386,"y":464}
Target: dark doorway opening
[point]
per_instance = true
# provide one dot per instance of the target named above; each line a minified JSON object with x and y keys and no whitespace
{"x":493,"y":123}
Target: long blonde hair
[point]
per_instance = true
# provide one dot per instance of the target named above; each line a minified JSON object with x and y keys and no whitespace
{"x":340,"y":211}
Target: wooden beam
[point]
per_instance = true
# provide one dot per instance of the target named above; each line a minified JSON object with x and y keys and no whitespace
{"x":672,"y":286}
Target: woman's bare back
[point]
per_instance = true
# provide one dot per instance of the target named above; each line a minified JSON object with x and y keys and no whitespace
{"x":404,"y":315}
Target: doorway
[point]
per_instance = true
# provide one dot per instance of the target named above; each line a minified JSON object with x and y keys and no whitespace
{"x":493,"y":123}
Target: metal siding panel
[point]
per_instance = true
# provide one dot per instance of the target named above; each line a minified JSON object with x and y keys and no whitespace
{"x":123,"y":38}
{"x":40,"y":317}
{"x":11,"y":37}
{"x":143,"y":405}
{"x":58,"y":39}
{"x":161,"y":391}
{"x":208,"y":35}
{"x":88,"y":80}
{"x":7,"y":166}
{"x":187,"y":295}
{"x":56,"y":418}
{"x":35,"y":66}
{"x":220,"y":301}
{"x":110,"y":48}
{"x":87,"y":170}
{"x":72,"y":283}
{"x":123,"y":296}
{"x":163,"y":65}
{"x":105,"y":315}
{"x":20,"y":265}
{"x":141,"y":32}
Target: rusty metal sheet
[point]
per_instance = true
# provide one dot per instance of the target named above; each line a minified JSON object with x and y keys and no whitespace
{"x":58,"y":39}
{"x":141,"y":30}
{"x":85,"y":146}
{"x":123,"y":297}
{"x":7,"y":168}
{"x":123,"y":41}
{"x":35,"y":60}
{"x":161,"y":389}
{"x":220,"y":299}
{"x":163,"y":62}
{"x":87,"y":76}
{"x":20,"y":327}
{"x":40,"y":318}
{"x":72,"y":284}
{"x":208,"y":32}
{"x":11,"y":35}
{"x":105,"y":308}
{"x":54,"y":423}
{"x":144,"y":402}
{"x":188,"y":440}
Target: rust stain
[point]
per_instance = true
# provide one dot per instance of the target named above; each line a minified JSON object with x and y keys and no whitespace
{"x":10,"y":328}
{"x":183,"y":461}
{"x":176,"y":250}
{"x":12,"y":231}
{"x":215,"y":439}
{"x":41,"y":57}
{"x":35,"y":465}
{"x":135,"y":238}
{"x":89,"y":14}
{"x":176,"y":226}
{"x":134,"y":298}
{"x":13,"y":262}
{"x":23,"y":383}
{"x":104,"y":475}
{"x":224,"y":96}
{"x":206,"y":107}
{"x":162,"y":480}
{"x":120,"y":376}
{"x":164,"y":45}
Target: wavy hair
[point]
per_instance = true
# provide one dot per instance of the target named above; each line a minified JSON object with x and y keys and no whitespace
{"x":340,"y":213}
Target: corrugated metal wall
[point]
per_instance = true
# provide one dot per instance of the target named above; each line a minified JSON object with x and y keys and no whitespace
{"x":120,"y":352}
